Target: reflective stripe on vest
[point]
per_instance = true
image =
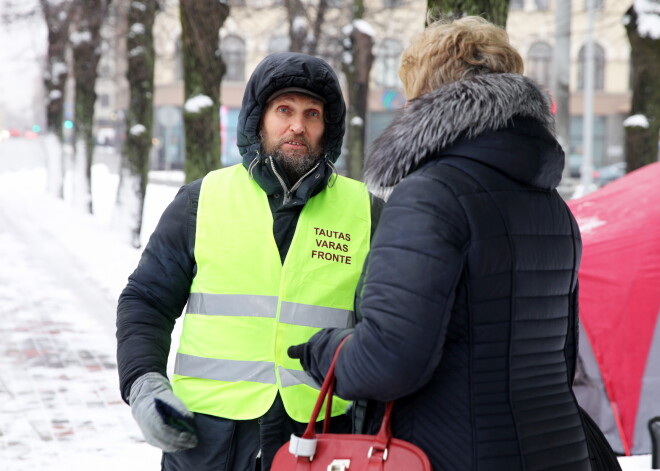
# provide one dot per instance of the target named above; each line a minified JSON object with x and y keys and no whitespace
{"x":266,"y":306}
{"x":231,"y":370}
{"x":246,"y":308}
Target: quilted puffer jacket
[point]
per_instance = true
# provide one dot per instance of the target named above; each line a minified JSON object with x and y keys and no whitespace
{"x":469,"y":295}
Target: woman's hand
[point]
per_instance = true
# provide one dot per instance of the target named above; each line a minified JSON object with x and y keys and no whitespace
{"x":300,"y":352}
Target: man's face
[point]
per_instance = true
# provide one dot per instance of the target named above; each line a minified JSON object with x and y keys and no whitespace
{"x":292,"y":132}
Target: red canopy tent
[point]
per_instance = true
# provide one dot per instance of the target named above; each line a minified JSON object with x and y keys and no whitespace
{"x":618,"y":380}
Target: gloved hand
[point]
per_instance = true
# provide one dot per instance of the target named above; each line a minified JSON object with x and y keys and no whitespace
{"x":300,"y":352}
{"x":164,"y":420}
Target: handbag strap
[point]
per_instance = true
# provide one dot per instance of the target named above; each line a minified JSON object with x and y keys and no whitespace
{"x":327,"y":386}
{"x":381,"y":440}
{"x":328,"y":407}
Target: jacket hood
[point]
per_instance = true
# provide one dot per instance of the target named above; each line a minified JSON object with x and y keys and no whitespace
{"x":502,"y":120}
{"x":285,"y":70}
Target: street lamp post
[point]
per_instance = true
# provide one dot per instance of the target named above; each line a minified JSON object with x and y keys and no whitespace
{"x":587,"y":169}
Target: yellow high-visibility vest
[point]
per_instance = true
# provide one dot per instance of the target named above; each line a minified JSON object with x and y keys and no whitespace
{"x":246,"y":307}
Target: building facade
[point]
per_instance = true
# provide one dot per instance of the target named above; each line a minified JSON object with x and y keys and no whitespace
{"x":531,"y":26}
{"x":256,"y":28}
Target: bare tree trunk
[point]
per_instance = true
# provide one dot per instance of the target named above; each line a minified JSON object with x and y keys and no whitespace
{"x":641,"y":145}
{"x":298,"y":24}
{"x":312,"y":45}
{"x":299,"y":18}
{"x":495,"y":11}
{"x":139,"y":120}
{"x":203,"y":70}
{"x":58,"y":18}
{"x":86,"y":45}
{"x":359,"y":46}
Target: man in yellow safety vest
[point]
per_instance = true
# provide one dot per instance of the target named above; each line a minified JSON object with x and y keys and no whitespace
{"x":260,"y":256}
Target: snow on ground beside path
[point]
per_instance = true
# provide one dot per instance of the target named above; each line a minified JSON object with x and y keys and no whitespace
{"x":60,"y":407}
{"x":59,"y":404}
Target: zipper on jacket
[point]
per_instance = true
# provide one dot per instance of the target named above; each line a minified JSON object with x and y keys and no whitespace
{"x":288,"y":193}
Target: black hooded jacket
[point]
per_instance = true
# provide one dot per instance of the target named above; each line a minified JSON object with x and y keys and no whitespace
{"x":469,"y":295}
{"x":158,"y":289}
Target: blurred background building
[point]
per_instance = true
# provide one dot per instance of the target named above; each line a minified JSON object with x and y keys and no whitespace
{"x":256,"y":28}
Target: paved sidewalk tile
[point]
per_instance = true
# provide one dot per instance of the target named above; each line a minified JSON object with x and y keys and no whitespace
{"x":60,"y":407}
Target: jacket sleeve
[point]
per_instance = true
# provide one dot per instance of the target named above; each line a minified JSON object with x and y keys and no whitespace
{"x":157,"y":292}
{"x":405,"y":298}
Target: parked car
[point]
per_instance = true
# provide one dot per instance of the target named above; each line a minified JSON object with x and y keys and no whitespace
{"x":574,"y":162}
{"x":609,"y":173}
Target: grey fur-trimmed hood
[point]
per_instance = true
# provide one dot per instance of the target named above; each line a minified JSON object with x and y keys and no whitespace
{"x":457,"y":112}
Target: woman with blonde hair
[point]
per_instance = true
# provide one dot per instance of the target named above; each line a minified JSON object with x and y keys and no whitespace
{"x":468,"y":299}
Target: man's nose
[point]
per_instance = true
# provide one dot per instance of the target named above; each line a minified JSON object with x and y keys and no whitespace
{"x":297,"y":125}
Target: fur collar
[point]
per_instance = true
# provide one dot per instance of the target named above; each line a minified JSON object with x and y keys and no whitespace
{"x":460,"y":110}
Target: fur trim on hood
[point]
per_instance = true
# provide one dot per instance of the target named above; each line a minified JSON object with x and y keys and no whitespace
{"x":458,"y":111}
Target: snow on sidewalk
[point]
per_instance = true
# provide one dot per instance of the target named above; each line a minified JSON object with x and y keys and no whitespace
{"x":59,"y":403}
{"x":60,"y":407}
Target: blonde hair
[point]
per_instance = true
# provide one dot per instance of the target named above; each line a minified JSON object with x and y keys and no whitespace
{"x":447,"y":51}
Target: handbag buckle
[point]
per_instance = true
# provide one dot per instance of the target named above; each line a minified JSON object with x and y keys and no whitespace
{"x":371,"y":452}
{"x":339,"y":465}
{"x":302,"y":446}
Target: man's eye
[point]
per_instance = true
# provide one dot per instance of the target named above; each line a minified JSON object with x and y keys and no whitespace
{"x":282,"y":109}
{"x":314,"y":114}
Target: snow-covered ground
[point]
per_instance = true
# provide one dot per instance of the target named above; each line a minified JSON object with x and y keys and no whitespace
{"x":62,"y":272}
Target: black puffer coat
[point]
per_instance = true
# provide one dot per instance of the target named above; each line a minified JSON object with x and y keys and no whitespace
{"x":158,"y":289}
{"x":468,"y":297}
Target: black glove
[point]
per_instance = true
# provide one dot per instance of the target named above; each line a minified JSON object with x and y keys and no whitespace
{"x":300,"y":352}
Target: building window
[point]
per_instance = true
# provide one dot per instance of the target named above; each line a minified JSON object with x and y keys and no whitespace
{"x":542,"y":5}
{"x":516,"y":4}
{"x":599,"y":67}
{"x":598,"y":4}
{"x":104,"y":99}
{"x":391,"y":3}
{"x":539,"y":63}
{"x":280,"y":43}
{"x":178,"y":59}
{"x":388,"y":59}
{"x":599,"y":142}
{"x":233,"y":54}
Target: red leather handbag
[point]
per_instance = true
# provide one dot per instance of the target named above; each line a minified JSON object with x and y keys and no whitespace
{"x":346,"y":452}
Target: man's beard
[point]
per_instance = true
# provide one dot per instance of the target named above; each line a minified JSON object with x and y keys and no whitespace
{"x":294,"y":166}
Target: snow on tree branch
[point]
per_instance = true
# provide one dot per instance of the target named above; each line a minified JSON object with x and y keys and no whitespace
{"x":636,"y":121}
{"x":300,"y":24}
{"x":648,"y":18}
{"x":364,"y":27}
{"x":136,"y":51}
{"x":197,"y":103}
{"x":138,"y":129}
{"x":79,"y":37}
{"x":137,"y":29}
{"x":139,"y":6}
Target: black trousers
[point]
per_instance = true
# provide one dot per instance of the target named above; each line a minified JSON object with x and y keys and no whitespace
{"x":233,"y":445}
